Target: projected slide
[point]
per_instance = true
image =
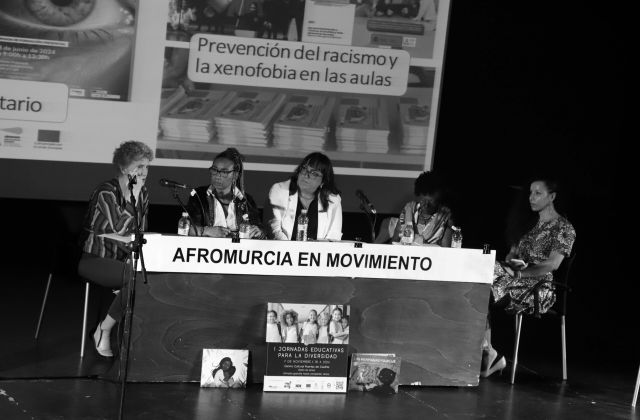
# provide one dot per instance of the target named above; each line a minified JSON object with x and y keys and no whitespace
{"x":358,"y":80}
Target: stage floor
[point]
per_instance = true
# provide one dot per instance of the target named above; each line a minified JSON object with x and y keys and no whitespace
{"x":47,"y":379}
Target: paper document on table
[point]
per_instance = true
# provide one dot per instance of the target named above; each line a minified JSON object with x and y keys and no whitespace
{"x":120,"y":238}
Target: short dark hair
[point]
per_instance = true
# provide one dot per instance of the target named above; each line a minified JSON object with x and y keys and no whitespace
{"x":386,"y":376}
{"x":428,"y":183}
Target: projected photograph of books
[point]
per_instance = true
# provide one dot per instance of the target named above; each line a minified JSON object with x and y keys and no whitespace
{"x":197,"y":121}
{"x":90,"y":50}
{"x":399,"y":24}
{"x":272,"y":19}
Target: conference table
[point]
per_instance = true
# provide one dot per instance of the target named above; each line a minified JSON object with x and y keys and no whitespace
{"x":427,"y":305}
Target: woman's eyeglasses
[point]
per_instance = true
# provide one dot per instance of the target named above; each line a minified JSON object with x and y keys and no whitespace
{"x":310,"y":173}
{"x":222,"y":172}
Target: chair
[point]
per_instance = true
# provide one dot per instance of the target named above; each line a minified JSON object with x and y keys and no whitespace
{"x":84,"y":317}
{"x":67,"y":252}
{"x":635,"y":392}
{"x":386,"y":230}
{"x":561,"y":283}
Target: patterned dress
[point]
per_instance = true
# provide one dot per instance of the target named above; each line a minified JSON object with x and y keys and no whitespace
{"x":534,"y":247}
{"x":427,"y":228}
{"x":110,"y":212}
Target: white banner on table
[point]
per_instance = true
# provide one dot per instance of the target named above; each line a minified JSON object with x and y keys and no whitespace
{"x":180,"y":254}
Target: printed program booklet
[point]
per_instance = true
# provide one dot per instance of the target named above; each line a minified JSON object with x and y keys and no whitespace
{"x":307,"y":347}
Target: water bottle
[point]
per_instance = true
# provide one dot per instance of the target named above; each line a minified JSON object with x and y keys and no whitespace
{"x":184,"y":224}
{"x":303,"y":223}
{"x":243,"y":229}
{"x":456,"y":237}
{"x":407,"y":234}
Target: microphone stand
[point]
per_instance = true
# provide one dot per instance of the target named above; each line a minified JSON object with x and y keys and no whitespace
{"x":136,"y":248}
{"x":371,"y":218}
{"x":177,"y":197}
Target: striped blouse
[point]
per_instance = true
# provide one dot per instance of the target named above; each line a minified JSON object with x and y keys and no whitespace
{"x":109,"y":212}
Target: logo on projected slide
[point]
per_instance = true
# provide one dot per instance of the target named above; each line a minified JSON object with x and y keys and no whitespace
{"x":11,"y":136}
{"x":48,"y":139}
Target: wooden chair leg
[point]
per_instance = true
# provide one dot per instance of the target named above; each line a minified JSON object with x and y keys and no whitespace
{"x":635,"y":392}
{"x":84,"y":318}
{"x":44,"y":303}
{"x":516,"y":347}
{"x":563,"y":331}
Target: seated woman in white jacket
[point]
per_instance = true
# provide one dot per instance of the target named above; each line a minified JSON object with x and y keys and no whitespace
{"x":312,"y":187}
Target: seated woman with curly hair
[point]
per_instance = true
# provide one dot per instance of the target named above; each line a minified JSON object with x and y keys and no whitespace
{"x":112,"y":210}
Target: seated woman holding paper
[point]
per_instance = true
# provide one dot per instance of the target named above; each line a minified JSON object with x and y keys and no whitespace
{"x":532,"y":259}
{"x":311,"y":187}
{"x":111,"y":211}
{"x":218,"y":209}
{"x":430,"y":220}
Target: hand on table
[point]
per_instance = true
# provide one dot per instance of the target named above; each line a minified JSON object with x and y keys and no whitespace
{"x":254,"y":232}
{"x":517,"y":264}
{"x":215,"y":231}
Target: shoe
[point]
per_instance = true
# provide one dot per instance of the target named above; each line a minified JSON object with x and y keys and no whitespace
{"x":488,"y":357}
{"x":102,"y":342}
{"x":499,"y":365}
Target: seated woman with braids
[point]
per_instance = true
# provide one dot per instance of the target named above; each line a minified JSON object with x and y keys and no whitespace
{"x":530,"y":262}
{"x":217,"y":209}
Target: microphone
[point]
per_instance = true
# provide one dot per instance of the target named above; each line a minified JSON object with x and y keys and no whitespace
{"x":365,"y":201}
{"x":173,"y":184}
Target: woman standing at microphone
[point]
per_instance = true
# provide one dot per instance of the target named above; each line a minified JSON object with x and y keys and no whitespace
{"x":111,"y":210}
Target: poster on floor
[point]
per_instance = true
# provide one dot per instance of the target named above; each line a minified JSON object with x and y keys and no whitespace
{"x":377,"y":373}
{"x":224,"y":368}
{"x":307,"y":347}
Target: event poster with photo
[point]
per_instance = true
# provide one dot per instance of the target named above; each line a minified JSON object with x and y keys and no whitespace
{"x":377,"y":373}
{"x":224,"y":368}
{"x":307,"y":347}
{"x":86,"y":45}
